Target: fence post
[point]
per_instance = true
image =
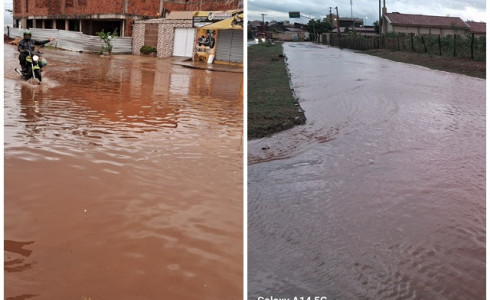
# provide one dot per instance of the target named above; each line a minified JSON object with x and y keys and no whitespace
{"x":472,"y":44}
{"x":423,"y":43}
{"x":440,"y":47}
{"x":411,"y":41}
{"x":454,"y":44}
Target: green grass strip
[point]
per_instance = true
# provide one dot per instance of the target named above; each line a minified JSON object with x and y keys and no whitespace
{"x":272,"y":106}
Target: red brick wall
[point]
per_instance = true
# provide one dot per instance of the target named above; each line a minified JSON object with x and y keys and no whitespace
{"x":148,"y":8}
{"x":95,"y":7}
{"x":211,"y":5}
{"x":60,"y":7}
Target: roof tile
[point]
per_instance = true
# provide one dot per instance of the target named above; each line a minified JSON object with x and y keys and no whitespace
{"x":423,"y":20}
{"x":477,"y":27}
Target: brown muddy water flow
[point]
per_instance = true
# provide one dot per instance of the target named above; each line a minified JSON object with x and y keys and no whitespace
{"x":123,"y":180}
{"x":381,"y":195}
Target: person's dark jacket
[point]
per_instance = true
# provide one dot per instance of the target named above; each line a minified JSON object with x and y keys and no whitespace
{"x":29,"y":44}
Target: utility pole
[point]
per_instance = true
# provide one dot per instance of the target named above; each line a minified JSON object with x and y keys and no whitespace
{"x":331,"y":21}
{"x":314,"y":22}
{"x":314,"y":27}
{"x":351,"y":16}
{"x":338,"y":25}
{"x":263,"y":22}
{"x":379,"y":24}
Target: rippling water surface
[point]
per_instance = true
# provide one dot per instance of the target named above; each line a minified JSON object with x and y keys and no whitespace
{"x":123,"y":180}
{"x":381,"y":195}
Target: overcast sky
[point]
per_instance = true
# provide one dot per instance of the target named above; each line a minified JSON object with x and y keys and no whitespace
{"x":368,"y":10}
{"x":7,"y":17}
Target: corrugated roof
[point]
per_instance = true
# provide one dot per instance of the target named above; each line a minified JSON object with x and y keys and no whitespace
{"x":477,"y":27}
{"x":75,"y":41}
{"x":423,"y":20}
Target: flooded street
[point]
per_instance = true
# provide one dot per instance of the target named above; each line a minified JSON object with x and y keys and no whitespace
{"x":381,"y":195}
{"x":123,"y":180}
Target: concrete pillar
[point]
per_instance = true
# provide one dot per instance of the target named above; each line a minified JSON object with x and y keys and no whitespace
{"x":43,"y":23}
{"x":123,"y":28}
{"x":160,"y":11}
{"x":34,"y":23}
{"x":67,"y":25}
{"x":80,"y":25}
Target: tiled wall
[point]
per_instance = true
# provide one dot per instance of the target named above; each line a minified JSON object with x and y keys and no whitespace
{"x":165,"y":42}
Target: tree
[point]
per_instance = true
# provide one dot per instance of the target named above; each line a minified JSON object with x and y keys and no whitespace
{"x":318,"y":26}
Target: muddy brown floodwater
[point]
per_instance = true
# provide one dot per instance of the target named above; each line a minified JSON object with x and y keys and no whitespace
{"x":123,"y":180}
{"x":381,"y":195}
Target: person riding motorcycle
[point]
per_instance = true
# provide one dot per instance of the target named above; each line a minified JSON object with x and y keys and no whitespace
{"x":26,"y":45}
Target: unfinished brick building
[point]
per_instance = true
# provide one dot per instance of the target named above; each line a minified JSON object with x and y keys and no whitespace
{"x":89,"y":16}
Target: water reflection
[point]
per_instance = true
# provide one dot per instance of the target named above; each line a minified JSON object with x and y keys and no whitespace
{"x":126,"y":175}
{"x":381,"y":195}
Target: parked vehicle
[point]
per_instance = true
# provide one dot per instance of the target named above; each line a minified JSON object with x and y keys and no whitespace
{"x":207,"y":40}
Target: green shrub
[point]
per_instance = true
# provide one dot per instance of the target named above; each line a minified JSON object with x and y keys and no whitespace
{"x":106,"y":37}
{"x":147,"y":49}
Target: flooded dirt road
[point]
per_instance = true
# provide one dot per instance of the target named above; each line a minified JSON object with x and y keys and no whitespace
{"x":381,"y":195}
{"x":123,"y":180}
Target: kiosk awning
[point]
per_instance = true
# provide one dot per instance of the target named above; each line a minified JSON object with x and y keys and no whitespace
{"x":235,"y":22}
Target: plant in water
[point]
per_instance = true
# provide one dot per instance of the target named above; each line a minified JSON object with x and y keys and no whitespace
{"x":107,"y":37}
{"x":147,"y":49}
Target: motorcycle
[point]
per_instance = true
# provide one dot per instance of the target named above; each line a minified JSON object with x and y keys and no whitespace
{"x":34,"y":63}
{"x":237,"y":21}
{"x":206,"y":41}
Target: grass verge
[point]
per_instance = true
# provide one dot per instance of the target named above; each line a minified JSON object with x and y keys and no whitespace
{"x":272,"y":106}
{"x":457,"y":65}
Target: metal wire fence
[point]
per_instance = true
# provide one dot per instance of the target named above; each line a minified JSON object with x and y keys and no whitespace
{"x":456,"y":45}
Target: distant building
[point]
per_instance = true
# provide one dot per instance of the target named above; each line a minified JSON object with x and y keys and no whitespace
{"x":91,"y":16}
{"x":350,"y":22}
{"x":477,"y":28}
{"x":364,"y":31}
{"x":423,"y":24}
{"x":293,"y":34}
{"x":255,"y":27}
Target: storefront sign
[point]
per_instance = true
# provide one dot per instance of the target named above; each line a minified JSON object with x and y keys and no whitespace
{"x":211,"y":17}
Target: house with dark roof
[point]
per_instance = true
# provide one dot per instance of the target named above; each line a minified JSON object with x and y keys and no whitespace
{"x":423,"y":24}
{"x":477,"y":28}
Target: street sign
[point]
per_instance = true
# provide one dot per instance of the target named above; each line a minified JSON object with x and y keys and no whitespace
{"x":294,"y":14}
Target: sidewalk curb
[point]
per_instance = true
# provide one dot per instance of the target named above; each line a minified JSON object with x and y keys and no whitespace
{"x":210,"y":67}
